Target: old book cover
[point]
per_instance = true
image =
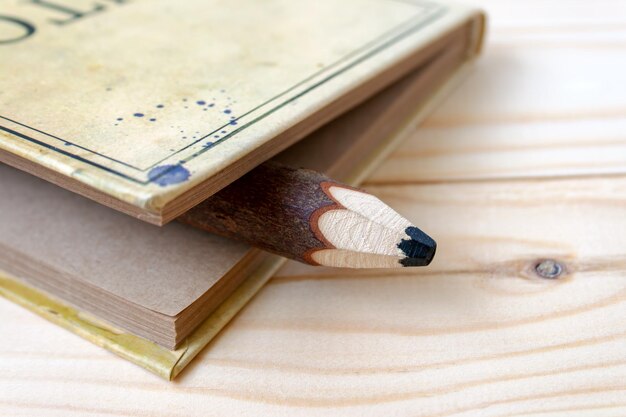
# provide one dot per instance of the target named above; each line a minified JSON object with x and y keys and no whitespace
{"x":151,"y":106}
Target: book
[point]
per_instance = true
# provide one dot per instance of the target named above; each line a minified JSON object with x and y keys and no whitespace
{"x":150,"y":107}
{"x":154,"y":295}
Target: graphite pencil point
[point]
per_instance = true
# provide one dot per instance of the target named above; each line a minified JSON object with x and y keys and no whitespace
{"x":419,"y":248}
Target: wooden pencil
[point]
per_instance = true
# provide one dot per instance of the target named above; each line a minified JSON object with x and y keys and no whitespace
{"x":304,"y":215}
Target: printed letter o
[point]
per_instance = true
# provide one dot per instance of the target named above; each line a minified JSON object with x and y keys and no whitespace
{"x":26,"y":27}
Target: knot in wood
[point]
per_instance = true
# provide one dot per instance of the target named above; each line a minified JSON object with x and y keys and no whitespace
{"x":549,"y":269}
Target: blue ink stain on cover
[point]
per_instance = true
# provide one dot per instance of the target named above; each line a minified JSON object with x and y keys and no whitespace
{"x":138,"y":115}
{"x":227,"y":111}
{"x":165,"y":175}
{"x":153,"y":120}
{"x":201,"y":102}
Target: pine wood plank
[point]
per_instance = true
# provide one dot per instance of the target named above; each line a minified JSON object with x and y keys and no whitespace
{"x":555,"y":15}
{"x":523,"y":112}
{"x":547,"y":99}
{"x":478,"y":334}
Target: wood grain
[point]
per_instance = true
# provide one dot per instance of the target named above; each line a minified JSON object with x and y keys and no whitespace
{"x":529,"y":108}
{"x":528,"y":117}
{"x":475,"y":334}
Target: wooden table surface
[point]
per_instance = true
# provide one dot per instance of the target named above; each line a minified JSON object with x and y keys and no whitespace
{"x":527,"y":160}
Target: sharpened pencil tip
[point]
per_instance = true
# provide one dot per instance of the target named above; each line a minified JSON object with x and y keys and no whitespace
{"x":419,"y":249}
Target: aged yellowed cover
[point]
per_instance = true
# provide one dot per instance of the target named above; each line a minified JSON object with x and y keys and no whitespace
{"x":139,"y":103}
